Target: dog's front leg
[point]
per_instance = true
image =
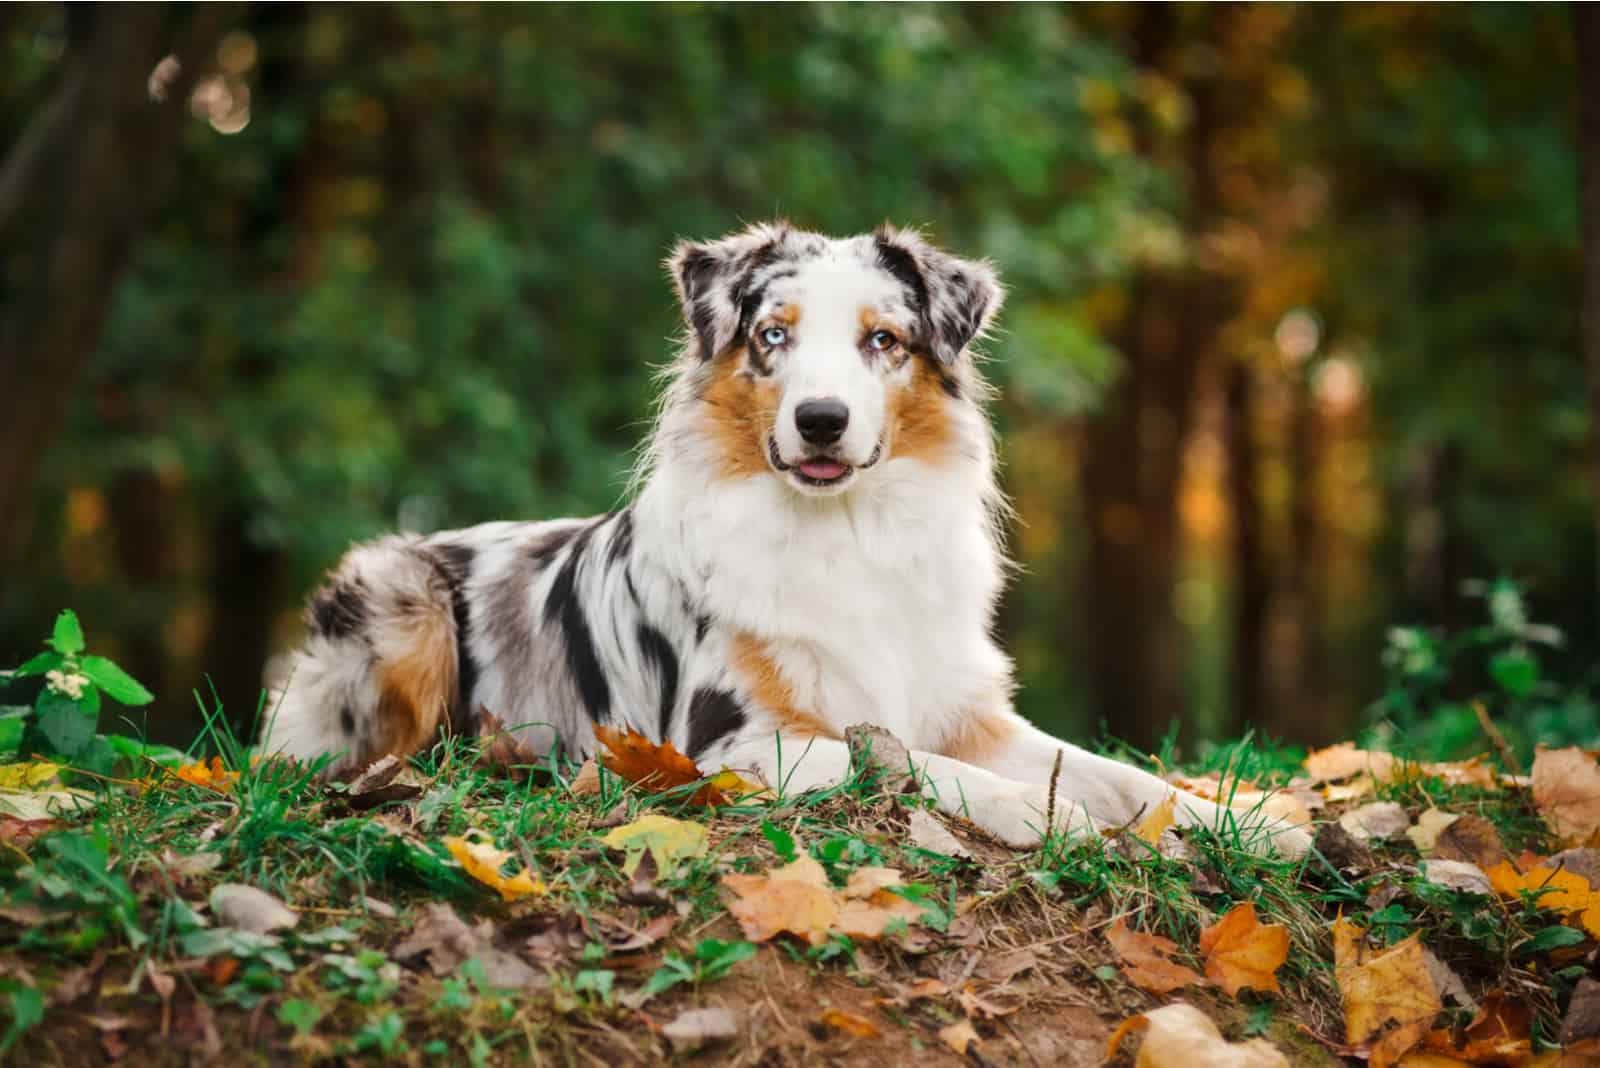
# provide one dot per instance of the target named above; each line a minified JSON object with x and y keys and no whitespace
{"x":1014,"y":812}
{"x":1004,"y":743}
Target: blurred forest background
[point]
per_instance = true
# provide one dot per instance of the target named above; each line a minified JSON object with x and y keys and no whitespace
{"x":1292,"y":352}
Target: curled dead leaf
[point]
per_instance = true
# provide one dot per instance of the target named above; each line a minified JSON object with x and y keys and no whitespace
{"x":850,"y":1024}
{"x":654,"y":767}
{"x":484,"y":862}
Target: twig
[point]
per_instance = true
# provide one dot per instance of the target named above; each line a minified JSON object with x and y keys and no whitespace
{"x":1050,"y":810}
{"x":1507,"y":757}
{"x":320,"y":910}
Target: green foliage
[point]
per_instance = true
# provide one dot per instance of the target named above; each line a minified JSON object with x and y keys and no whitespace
{"x":1437,"y":680}
{"x":712,"y":959}
{"x":62,"y":721}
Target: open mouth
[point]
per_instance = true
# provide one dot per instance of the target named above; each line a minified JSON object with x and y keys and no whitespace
{"x":817,"y":470}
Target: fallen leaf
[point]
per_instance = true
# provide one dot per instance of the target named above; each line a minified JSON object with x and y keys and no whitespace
{"x":1158,"y":820}
{"x":1391,"y":985}
{"x":1181,"y":1036}
{"x":1566,"y":791}
{"x":377,"y":785}
{"x":958,"y":1036}
{"x":1457,"y":875}
{"x":654,"y":767}
{"x":1380,"y":819}
{"x":1470,"y":838}
{"x":1447,"y":982}
{"x":974,"y":1003}
{"x":1584,"y":862}
{"x":1501,"y":1032}
{"x":870,"y":917}
{"x":929,"y":834}
{"x":1345,"y":761}
{"x":29,"y":775}
{"x":501,"y":749}
{"x":850,"y":1024}
{"x":874,"y":747}
{"x":189,"y":865}
{"x":447,"y":941}
{"x":587,"y":782}
{"x":1147,"y":960}
{"x":1002,"y":968}
{"x":20,"y":834}
{"x":1241,"y":952}
{"x":864,"y":882}
{"x":700,"y":1027}
{"x":484,"y":862}
{"x":667,"y":840}
{"x":250,"y":909}
{"x":796,"y":899}
{"x":1428,"y":827}
{"x":212,"y":775}
{"x":1344,"y":850}
{"x":1580,"y":1030}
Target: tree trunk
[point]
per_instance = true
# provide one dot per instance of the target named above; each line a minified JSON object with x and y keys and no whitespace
{"x":1586,"y":21}
{"x":1248,"y":654}
{"x":76,"y":190}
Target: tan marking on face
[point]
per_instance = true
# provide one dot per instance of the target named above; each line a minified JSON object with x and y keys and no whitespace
{"x":919,"y":417}
{"x":416,"y":688}
{"x":979,"y":738}
{"x":739,"y":413}
{"x":785,"y":315}
{"x":768,"y":688}
{"x":873,"y":320}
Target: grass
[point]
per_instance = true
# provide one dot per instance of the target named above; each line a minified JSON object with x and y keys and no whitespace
{"x":109,"y":948}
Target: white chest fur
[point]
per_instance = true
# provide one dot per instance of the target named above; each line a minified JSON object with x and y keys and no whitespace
{"x":876,"y":605}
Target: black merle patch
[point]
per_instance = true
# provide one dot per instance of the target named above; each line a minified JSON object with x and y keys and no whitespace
{"x":347,"y":721}
{"x":506,"y":620}
{"x":900,"y":263}
{"x":339,"y":610}
{"x":658,"y":651}
{"x":583,"y":661}
{"x":713,"y":715}
{"x":621,"y":537}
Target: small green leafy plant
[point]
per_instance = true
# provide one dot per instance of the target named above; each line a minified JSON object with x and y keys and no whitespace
{"x":64,"y":718}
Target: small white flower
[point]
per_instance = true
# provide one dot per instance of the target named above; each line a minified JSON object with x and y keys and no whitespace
{"x":70,"y":686}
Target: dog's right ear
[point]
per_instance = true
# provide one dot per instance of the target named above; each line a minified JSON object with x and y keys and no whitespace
{"x":712,"y":278}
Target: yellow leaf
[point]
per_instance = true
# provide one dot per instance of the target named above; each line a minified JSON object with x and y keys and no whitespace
{"x":1242,"y":952}
{"x":1380,"y":987}
{"x":850,"y":1024}
{"x":733,"y":784}
{"x":483,"y":862}
{"x":29,"y":776}
{"x":1181,"y":1036}
{"x":1159,"y":819}
{"x":1425,"y":832}
{"x":212,"y":776}
{"x":667,"y":840}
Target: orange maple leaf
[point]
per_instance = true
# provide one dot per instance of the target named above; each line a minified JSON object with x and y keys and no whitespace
{"x":1147,"y":960}
{"x":1242,"y":952}
{"x":656,"y":768}
{"x":1557,"y":889}
{"x":211,"y":775}
{"x":796,"y":898}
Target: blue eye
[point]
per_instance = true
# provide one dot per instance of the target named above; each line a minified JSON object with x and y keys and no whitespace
{"x":774,"y":335}
{"x":882,"y":341}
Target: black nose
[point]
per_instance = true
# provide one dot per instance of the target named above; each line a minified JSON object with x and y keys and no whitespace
{"x":821,"y":422}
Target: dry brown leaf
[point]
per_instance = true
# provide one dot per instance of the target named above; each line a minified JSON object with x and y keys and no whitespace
{"x":1181,"y":1036}
{"x":1242,"y":952}
{"x":656,"y":768}
{"x":1457,"y":875}
{"x":850,"y":1024}
{"x":871,"y":918}
{"x":795,"y":898}
{"x":1383,"y":987}
{"x":587,"y":782}
{"x":1147,"y":960}
{"x":928,"y":833}
{"x":1472,"y":839}
{"x":1380,"y":819}
{"x":698,"y":1027}
{"x":1158,"y":820}
{"x":1345,"y":761}
{"x":864,"y":882}
{"x":250,"y":909}
{"x":1566,"y":791}
{"x":1425,"y":832}
{"x":958,"y":1036}
{"x":504,"y":750}
{"x":1500,"y":1033}
{"x":446,"y":940}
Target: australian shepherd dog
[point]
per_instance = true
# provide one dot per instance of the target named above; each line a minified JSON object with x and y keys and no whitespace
{"x":814,"y":542}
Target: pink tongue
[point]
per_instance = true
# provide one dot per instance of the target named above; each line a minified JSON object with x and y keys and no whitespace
{"x":823,"y":470}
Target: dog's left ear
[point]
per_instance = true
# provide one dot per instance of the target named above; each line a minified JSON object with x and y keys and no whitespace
{"x":712,"y":277}
{"x":955,"y":299}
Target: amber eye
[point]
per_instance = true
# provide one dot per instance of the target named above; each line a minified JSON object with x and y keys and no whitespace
{"x":774,"y":336}
{"x":882,"y":341}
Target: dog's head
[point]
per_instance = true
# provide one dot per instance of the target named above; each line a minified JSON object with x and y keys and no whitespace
{"x":820,"y":358}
